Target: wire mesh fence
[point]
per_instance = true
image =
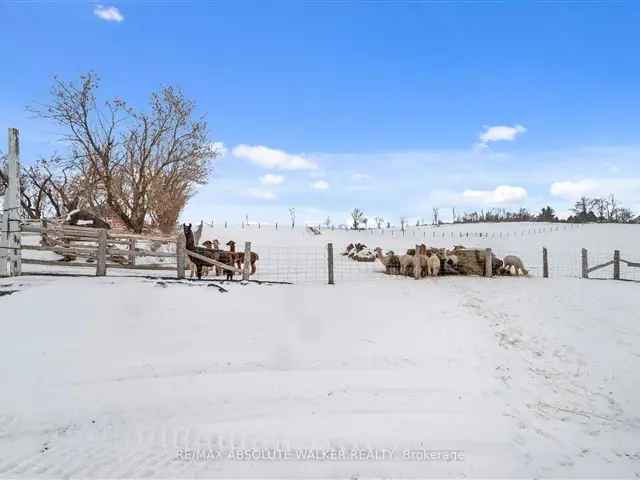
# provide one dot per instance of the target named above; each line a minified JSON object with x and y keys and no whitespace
{"x":311,"y":265}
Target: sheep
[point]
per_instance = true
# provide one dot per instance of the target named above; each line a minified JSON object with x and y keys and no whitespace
{"x":408,"y":264}
{"x":358,"y":247}
{"x":364,"y":255}
{"x":348,"y":250}
{"x":514,"y":265}
{"x":433,"y":265}
{"x":406,"y":261}
{"x":451,"y":258}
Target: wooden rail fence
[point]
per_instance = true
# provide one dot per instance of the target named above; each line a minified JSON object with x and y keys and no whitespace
{"x":615,"y":261}
{"x":105,"y":249}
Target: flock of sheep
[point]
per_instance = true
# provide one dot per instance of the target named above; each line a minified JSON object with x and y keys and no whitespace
{"x":436,"y":261}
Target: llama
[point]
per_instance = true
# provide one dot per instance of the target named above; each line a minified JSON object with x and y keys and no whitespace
{"x":239,"y":257}
{"x":390,"y":261}
{"x":215,"y":245}
{"x":193,"y":268}
{"x":514,"y":265}
{"x":209,"y":253}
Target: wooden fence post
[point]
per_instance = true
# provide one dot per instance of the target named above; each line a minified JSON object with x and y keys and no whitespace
{"x":4,"y":251}
{"x":180,"y":255}
{"x":616,"y":264}
{"x":585,"y":264}
{"x":132,"y":251}
{"x":330,"y":262}
{"x":101,"y":265}
{"x":246,"y":270}
{"x":545,"y":263}
{"x":417,"y":269}
{"x":11,"y":220}
{"x":488,"y":264}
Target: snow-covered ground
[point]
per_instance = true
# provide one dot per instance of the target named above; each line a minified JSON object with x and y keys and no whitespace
{"x":446,"y":377}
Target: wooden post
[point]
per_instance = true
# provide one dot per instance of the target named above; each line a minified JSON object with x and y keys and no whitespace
{"x":585,"y":264}
{"x":416,"y":265}
{"x":11,"y":220}
{"x":180,"y":255}
{"x":246,"y":270}
{"x":488,"y":264}
{"x":616,"y":264}
{"x":4,"y":251}
{"x":132,"y":251}
{"x":545,"y":263}
{"x":101,"y":265}
{"x":330,"y":262}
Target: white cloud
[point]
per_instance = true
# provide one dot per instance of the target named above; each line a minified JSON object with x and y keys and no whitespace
{"x":320,"y":185}
{"x":360,"y":177}
{"x":626,"y":190}
{"x":272,"y":158}
{"x":110,"y":14}
{"x":570,"y":190}
{"x":270,"y":179}
{"x":499,"y":133}
{"x":502,"y":195}
{"x":261,"y":194}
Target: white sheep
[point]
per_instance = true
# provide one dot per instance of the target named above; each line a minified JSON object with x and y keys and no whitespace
{"x":406,"y":261}
{"x":514,"y":265}
{"x":364,"y":255}
{"x":433,"y":265}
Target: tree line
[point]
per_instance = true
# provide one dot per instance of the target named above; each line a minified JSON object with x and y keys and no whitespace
{"x":139,"y":166}
{"x":595,"y":210}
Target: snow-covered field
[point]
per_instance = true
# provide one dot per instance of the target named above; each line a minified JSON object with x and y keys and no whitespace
{"x":446,"y":377}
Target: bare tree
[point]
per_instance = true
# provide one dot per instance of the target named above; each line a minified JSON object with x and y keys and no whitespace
{"x":47,"y":187}
{"x":292,"y":216}
{"x":129,"y":153}
{"x":379,"y":222}
{"x":403,"y":223}
{"x":612,"y":208}
{"x":357,"y":217}
{"x":625,"y":215}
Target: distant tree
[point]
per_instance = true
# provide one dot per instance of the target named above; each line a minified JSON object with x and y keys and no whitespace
{"x":547,"y":214}
{"x":292,"y":217}
{"x":625,"y":215}
{"x":599,"y":207}
{"x":379,"y":222}
{"x":612,"y":208}
{"x":581,"y":210}
{"x":357,"y":217}
{"x":48,"y":187}
{"x":403,"y":223}
{"x":327,"y":222}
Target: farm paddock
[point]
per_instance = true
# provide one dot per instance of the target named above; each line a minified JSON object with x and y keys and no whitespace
{"x":522,"y":376}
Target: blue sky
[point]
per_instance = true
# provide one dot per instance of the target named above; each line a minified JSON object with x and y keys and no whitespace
{"x":392,"y":107}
